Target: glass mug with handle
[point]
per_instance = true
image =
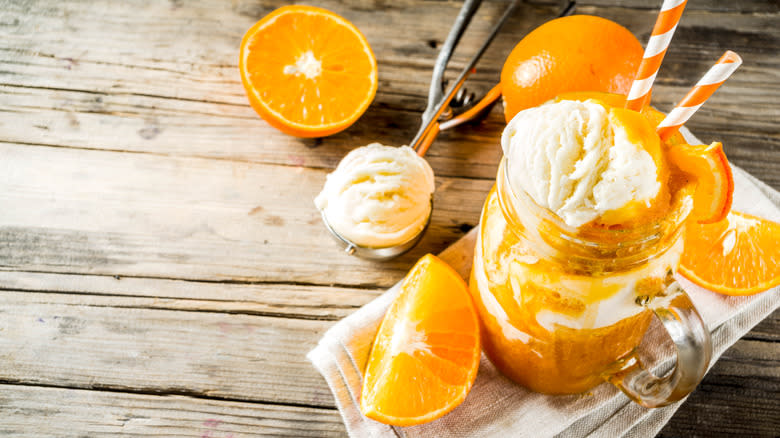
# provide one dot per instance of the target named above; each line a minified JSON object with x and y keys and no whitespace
{"x":563,"y":310}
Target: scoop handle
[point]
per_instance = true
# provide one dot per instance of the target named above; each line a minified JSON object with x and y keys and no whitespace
{"x":435,"y":92}
{"x":694,"y":351}
{"x":437,"y":102}
{"x":436,"y":108}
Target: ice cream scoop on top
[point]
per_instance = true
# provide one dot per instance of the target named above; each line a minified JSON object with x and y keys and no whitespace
{"x":584,"y":160}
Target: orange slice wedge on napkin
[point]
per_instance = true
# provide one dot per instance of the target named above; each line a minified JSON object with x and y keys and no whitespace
{"x":426,"y":354}
{"x":736,"y":256}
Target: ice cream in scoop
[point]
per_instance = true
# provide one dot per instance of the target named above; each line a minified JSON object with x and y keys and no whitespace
{"x":378,"y":196}
{"x":584,"y":160}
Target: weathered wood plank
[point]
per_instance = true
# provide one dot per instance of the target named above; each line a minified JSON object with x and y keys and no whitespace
{"x":71,"y":340}
{"x":728,"y":409}
{"x":153,"y":216}
{"x":749,"y":6}
{"x":32,"y":411}
{"x":120,"y":344}
{"x":737,"y":397}
{"x":285,"y":300}
{"x":767,"y":330}
{"x":181,"y":95}
{"x":40,"y":411}
{"x":159,"y":79}
{"x":750,"y":365}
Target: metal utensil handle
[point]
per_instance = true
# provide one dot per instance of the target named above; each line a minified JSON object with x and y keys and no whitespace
{"x":430,"y":118}
{"x":491,"y":96}
{"x":462,"y":21}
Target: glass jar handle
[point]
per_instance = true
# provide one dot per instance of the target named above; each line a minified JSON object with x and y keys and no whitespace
{"x":694,"y":351}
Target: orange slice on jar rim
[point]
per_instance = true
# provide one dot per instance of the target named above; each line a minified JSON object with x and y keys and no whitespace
{"x":714,"y":181}
{"x":307,"y":71}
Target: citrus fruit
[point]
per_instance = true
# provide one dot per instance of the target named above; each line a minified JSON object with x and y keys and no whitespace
{"x":574,"y":53}
{"x":736,"y":256}
{"x":714,"y":181}
{"x":307,"y":71}
{"x":426,"y":354}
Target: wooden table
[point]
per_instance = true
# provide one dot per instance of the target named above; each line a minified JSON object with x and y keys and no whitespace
{"x":162,"y":266}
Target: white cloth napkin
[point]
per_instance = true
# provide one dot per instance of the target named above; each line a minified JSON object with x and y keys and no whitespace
{"x":496,"y":407}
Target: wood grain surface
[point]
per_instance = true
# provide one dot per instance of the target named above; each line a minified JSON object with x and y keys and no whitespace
{"x":163,"y":270}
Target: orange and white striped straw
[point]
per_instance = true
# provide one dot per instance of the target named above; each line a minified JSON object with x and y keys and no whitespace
{"x":700,"y":92}
{"x":664,"y":28}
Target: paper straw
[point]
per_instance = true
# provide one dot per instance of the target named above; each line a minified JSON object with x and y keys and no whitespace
{"x":700,"y":92}
{"x":664,"y":28}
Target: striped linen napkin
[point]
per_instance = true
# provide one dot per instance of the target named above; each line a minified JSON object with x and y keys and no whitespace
{"x":496,"y":407}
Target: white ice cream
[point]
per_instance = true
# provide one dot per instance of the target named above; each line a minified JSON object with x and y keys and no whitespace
{"x":573,"y":159}
{"x":378,"y":195}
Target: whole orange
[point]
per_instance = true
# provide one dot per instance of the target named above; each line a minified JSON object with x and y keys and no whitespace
{"x":575,"y":53}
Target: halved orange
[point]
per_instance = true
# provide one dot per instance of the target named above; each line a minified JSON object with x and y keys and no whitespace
{"x":737,"y":256}
{"x":307,"y":71}
{"x":426,"y":354}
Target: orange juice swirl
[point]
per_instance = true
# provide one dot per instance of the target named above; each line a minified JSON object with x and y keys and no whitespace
{"x":564,"y":268}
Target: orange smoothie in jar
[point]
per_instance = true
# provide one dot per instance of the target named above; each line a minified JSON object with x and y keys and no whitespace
{"x":563,"y":286}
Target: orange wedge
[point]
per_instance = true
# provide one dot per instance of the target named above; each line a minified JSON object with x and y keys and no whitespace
{"x":737,"y":256}
{"x":307,"y":71}
{"x":714,"y":181}
{"x":426,"y":354}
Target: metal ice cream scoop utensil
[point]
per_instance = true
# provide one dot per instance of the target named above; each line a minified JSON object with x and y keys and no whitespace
{"x":439,"y":103}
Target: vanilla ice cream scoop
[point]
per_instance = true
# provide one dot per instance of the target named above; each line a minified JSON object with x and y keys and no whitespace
{"x":378,"y":196}
{"x":578,"y":160}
